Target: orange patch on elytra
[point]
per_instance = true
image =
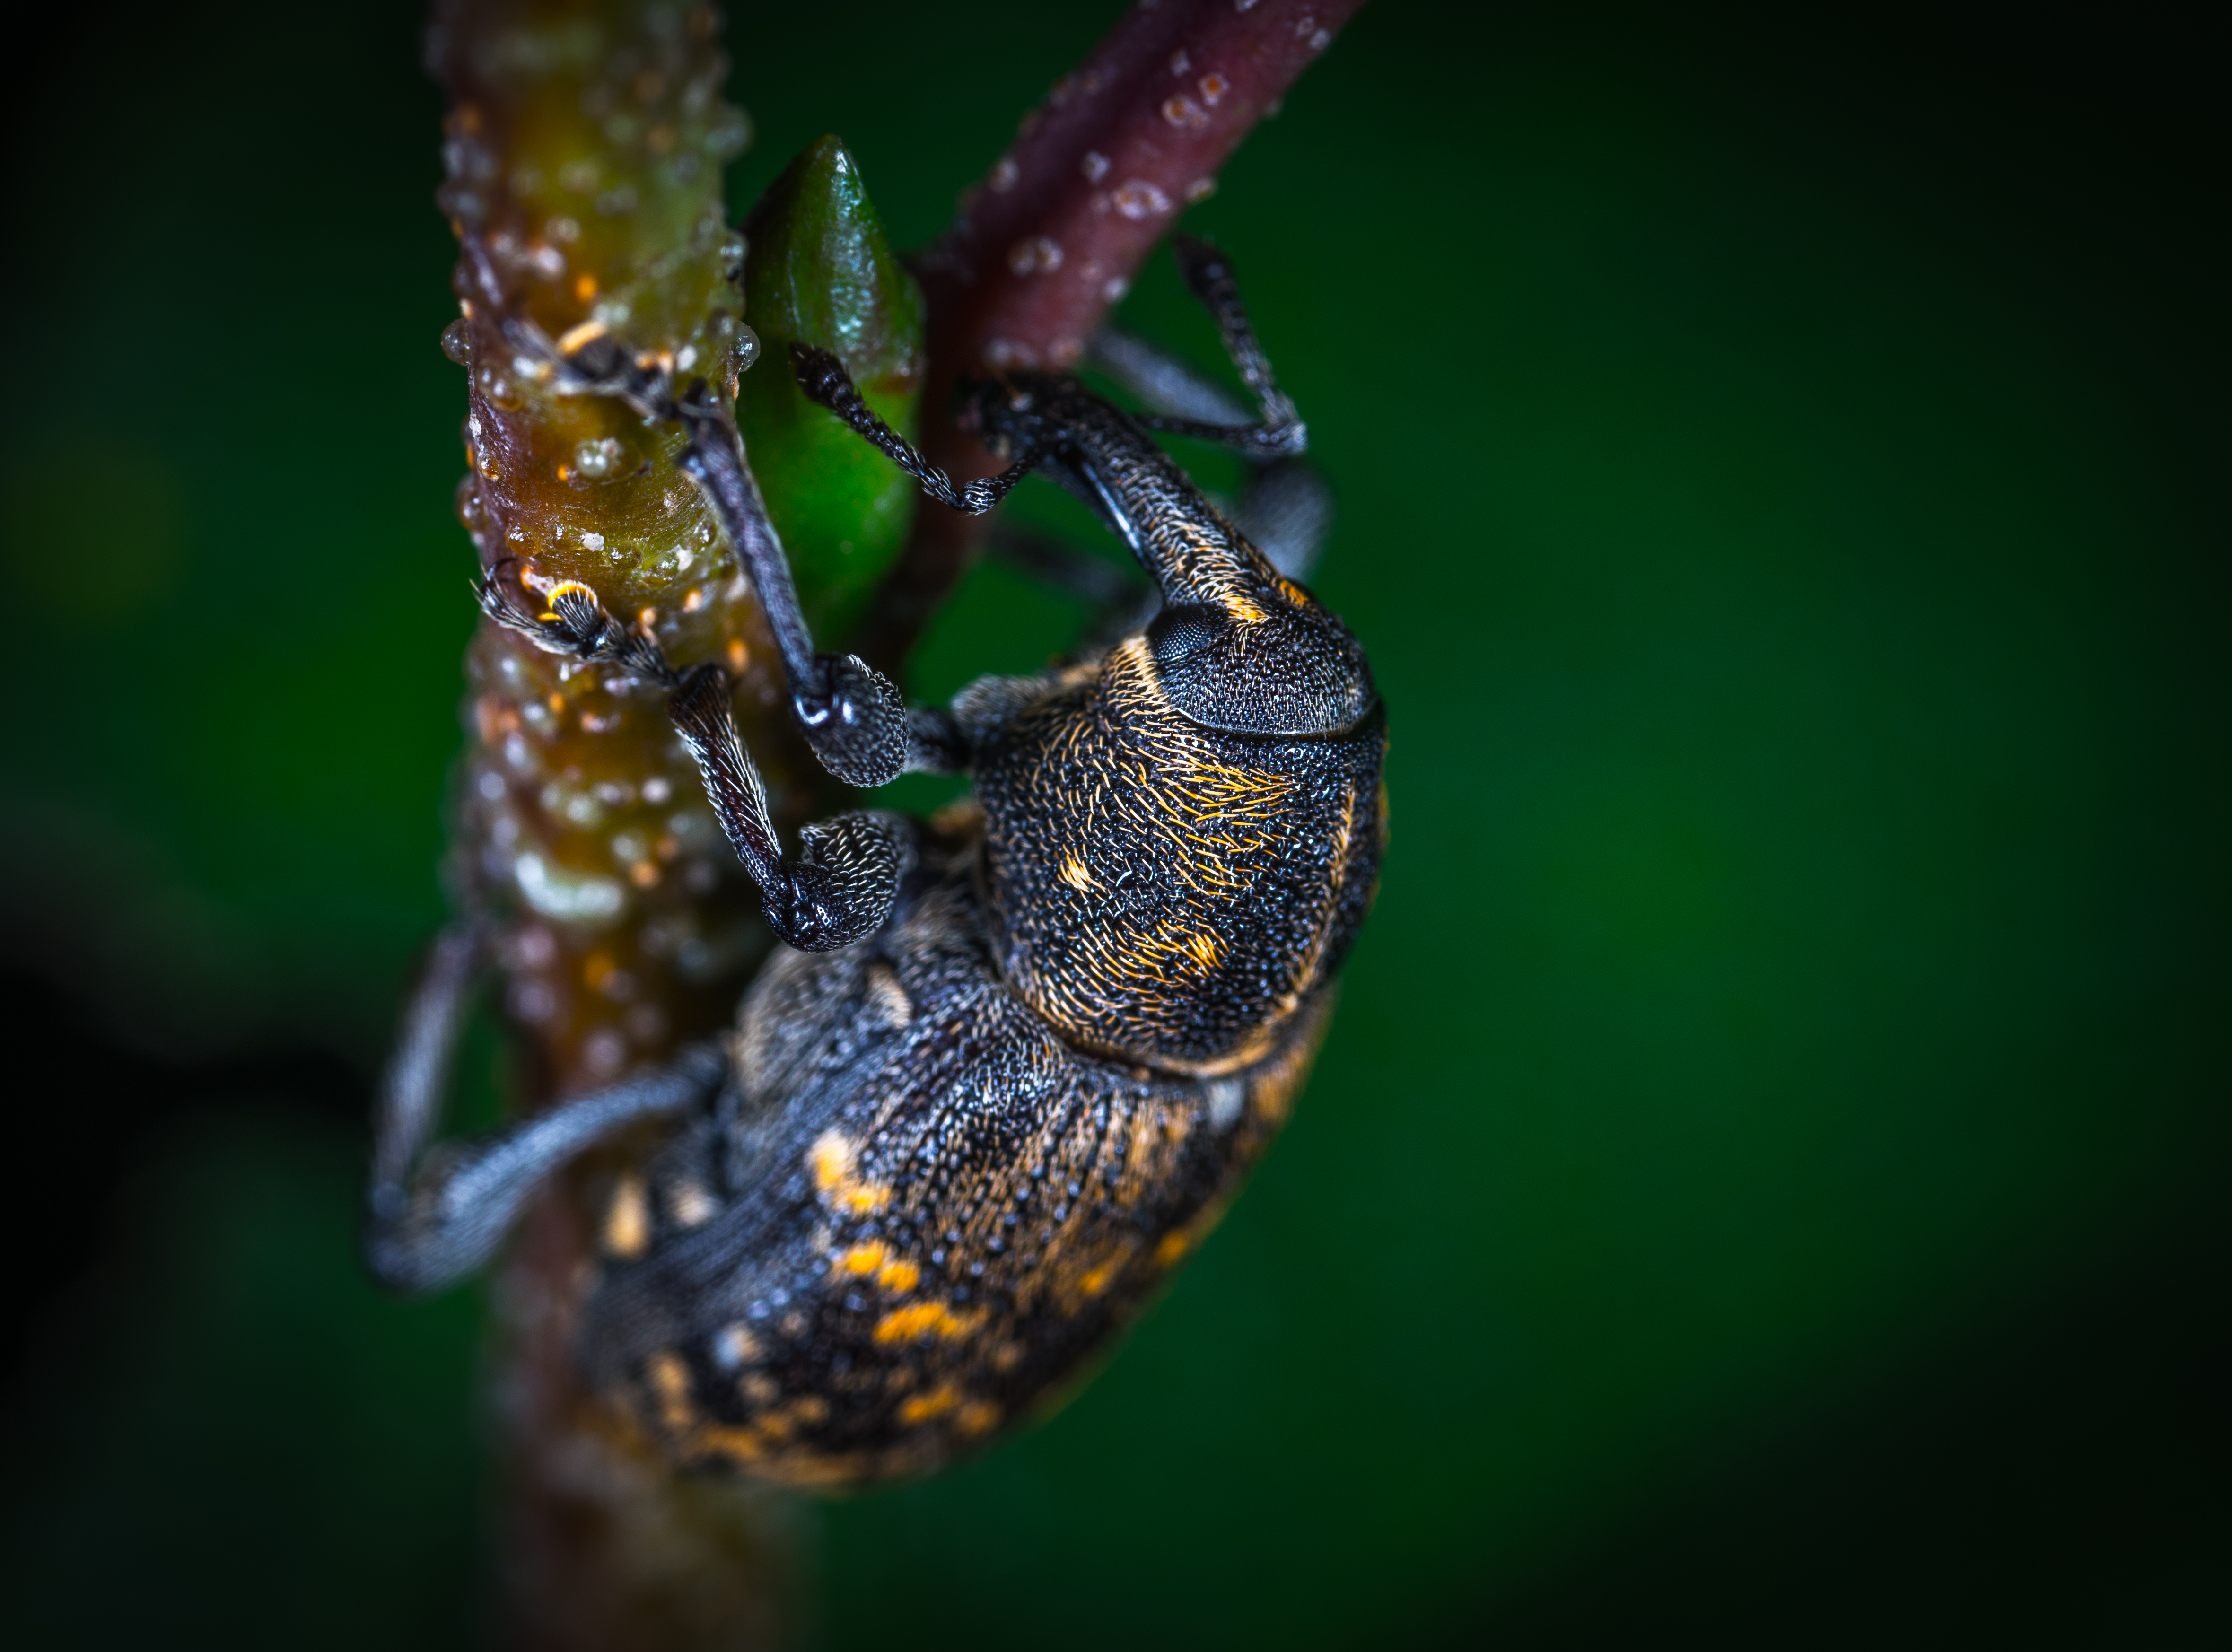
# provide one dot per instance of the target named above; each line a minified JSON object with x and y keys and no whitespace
{"x":628,"y":1220}
{"x":921,"y":1408}
{"x":926,"y":1318}
{"x":898,"y":1276}
{"x":865,"y":1259}
{"x":670,"y":1381}
{"x":1175,"y":1244}
{"x":978,"y":1416}
{"x":738,"y":1445}
{"x":831,"y":1157}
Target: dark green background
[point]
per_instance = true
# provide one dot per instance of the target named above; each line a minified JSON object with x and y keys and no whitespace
{"x":1765,"y":1182}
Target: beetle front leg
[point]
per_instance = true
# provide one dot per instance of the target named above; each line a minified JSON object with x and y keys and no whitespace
{"x":840,"y":887}
{"x":850,"y":714}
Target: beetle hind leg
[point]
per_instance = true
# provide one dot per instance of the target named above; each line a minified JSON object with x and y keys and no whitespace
{"x":436,"y":1213}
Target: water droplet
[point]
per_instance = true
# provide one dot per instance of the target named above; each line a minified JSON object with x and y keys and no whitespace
{"x":559,"y":892}
{"x":745,"y":350}
{"x":1201,"y":189}
{"x":499,"y":388}
{"x":1004,"y":174}
{"x":458,"y":341}
{"x":562,"y":229}
{"x":1034,"y":254}
{"x":594,"y":541}
{"x":473,"y":512}
{"x":1139,"y":200}
{"x":604,"y":1052}
{"x":598,"y":459}
{"x":730,"y":134}
{"x":1095,"y":165}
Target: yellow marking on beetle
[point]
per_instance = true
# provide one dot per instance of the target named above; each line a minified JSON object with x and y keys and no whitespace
{"x":926,"y":1318}
{"x":738,"y":1445}
{"x":1205,"y":948}
{"x":893,"y":1005}
{"x":1174,"y":1247}
{"x":921,"y":1408}
{"x":670,"y":1382}
{"x":978,"y":1416}
{"x":865,"y":1259}
{"x":690,"y":1204}
{"x":575,"y":337}
{"x":568,"y":588}
{"x":1246,"y":612}
{"x":898,"y":1277}
{"x":1098,"y":1280}
{"x":628,"y":1220}
{"x":735,"y":1345}
{"x":1074,"y":873}
{"x":831,"y":1157}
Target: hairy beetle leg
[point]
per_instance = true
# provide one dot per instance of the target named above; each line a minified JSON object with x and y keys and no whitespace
{"x":434,"y":1217}
{"x":840,"y":886}
{"x":850,"y":714}
{"x":822,"y":377}
{"x":464,"y":1199}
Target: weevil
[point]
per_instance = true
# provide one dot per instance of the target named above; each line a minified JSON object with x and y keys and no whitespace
{"x":1011,"y":1063}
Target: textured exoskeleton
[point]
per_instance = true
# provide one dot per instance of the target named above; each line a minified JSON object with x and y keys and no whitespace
{"x":1013,"y":1061}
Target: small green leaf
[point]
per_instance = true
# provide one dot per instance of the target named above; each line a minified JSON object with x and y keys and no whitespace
{"x":820,"y":271}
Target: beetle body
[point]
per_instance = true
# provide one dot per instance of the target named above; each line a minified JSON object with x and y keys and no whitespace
{"x":956,"y":1158}
{"x":1013,"y":1061}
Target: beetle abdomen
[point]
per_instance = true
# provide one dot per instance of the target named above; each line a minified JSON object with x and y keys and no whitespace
{"x":944,"y":1211}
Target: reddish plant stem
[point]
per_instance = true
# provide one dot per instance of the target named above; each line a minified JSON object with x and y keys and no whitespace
{"x":1052,"y":235}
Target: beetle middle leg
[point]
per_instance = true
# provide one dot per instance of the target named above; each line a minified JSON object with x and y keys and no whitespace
{"x":841,"y":885}
{"x":849,"y":713}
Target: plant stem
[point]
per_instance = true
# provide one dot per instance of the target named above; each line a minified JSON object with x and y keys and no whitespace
{"x":1053,"y":234}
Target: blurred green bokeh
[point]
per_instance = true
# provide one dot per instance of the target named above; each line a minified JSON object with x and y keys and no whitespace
{"x":1779,"y":474}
